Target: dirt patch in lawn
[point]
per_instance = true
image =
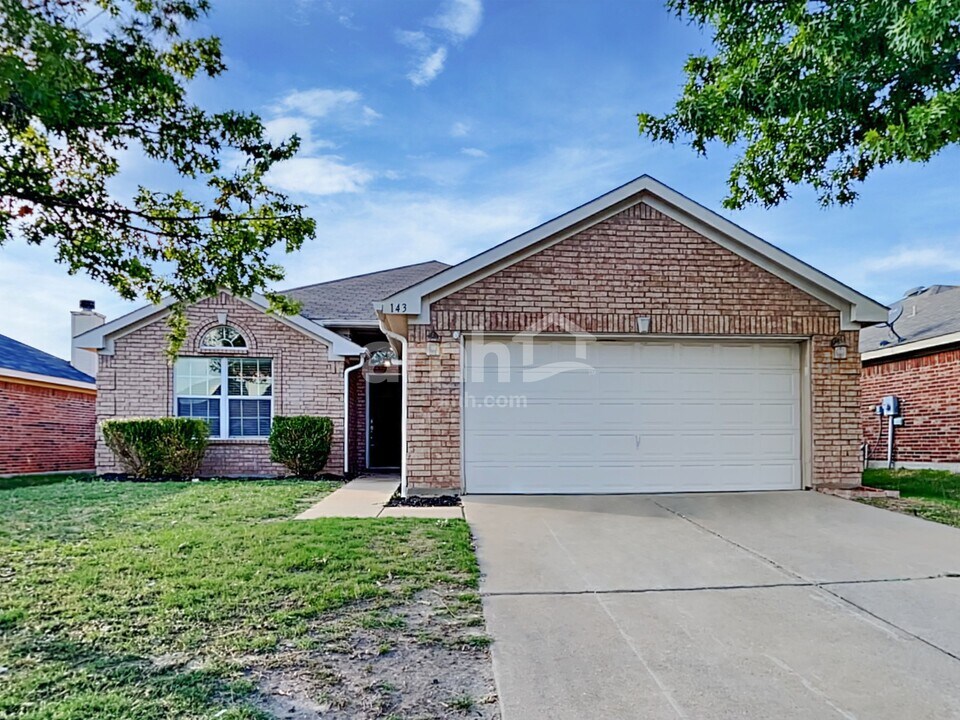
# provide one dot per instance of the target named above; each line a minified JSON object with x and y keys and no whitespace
{"x":945,"y":513}
{"x":427,"y":658}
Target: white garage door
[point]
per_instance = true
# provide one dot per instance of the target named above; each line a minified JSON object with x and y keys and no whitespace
{"x":555,"y":416}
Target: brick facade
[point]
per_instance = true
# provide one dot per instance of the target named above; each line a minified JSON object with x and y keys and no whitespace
{"x":636,"y":263}
{"x":358,"y":421}
{"x":46,"y":428}
{"x":137,"y":381}
{"x":929,"y":390}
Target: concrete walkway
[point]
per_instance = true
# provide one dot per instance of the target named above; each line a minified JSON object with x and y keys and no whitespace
{"x":366,"y":496}
{"x":749,"y":605}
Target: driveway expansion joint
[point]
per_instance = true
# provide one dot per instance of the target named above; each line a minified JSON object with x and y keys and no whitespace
{"x":707,"y":588}
{"x":824,"y":586}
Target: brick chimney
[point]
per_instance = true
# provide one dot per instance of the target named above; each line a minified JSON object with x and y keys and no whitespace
{"x":86,"y":318}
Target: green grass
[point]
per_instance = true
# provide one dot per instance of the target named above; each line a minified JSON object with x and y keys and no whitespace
{"x":145,"y":601}
{"x":930,"y":494}
{"x":19,"y":481}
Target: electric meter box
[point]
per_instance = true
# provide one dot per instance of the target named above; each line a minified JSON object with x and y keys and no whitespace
{"x":890,"y":406}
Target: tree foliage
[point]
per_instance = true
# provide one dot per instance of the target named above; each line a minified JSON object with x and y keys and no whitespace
{"x":819,"y":93}
{"x":84,"y":83}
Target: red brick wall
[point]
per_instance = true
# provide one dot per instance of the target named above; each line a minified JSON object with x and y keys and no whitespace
{"x":929,"y":392}
{"x":358,"y":421}
{"x":45,"y":429}
{"x":137,"y":381}
{"x":638,"y":262}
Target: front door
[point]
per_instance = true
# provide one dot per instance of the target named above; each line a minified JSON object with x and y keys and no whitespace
{"x":383,"y":421}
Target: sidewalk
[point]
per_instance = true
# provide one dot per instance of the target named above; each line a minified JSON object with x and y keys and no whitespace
{"x":366,"y":496}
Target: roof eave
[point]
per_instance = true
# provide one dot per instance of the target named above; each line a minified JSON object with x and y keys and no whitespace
{"x":856,"y":309}
{"x":101,"y":338}
{"x":911,"y":347}
{"x":43,"y":378}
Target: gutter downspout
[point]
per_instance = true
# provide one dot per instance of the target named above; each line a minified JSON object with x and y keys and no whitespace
{"x":346,"y":413}
{"x":403,"y":402}
{"x":890,"y":431}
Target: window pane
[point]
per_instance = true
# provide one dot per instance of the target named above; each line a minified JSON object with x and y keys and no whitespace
{"x":249,"y":377}
{"x":249,"y":418}
{"x":208,"y":410}
{"x":223,"y":336}
{"x":197,"y":376}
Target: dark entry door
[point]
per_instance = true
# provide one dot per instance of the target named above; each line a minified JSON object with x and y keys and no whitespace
{"x":383,"y":423}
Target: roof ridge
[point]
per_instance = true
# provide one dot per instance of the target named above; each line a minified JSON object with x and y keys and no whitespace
{"x":366,"y":274}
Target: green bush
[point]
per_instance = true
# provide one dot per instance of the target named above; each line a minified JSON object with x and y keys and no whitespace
{"x":170,"y":447}
{"x":301,"y":443}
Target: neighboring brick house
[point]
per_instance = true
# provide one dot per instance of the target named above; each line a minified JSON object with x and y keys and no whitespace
{"x":47,"y":411}
{"x":917,"y":360}
{"x":639,"y":343}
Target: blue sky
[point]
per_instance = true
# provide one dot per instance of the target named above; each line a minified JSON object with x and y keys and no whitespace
{"x":435,"y":128}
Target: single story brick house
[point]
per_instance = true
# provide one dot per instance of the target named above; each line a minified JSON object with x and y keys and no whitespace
{"x":638,"y":343}
{"x":47,"y":407}
{"x":915,"y":359}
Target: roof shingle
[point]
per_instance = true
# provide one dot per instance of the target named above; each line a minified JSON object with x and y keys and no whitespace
{"x":349,"y":301}
{"x":930,"y":313}
{"x":15,"y":355}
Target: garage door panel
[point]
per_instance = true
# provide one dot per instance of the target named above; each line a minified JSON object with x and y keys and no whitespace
{"x":776,"y":384}
{"x":741,"y":356}
{"x":781,"y":356}
{"x":766,"y":446}
{"x":695,"y":355}
{"x":648,"y":416}
{"x":776,"y":413}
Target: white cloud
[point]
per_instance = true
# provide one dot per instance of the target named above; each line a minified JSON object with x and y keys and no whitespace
{"x":317,"y":102}
{"x":282,"y":128}
{"x":419,"y":227}
{"x":428,"y":68}
{"x":370,"y":115}
{"x":416,"y":39}
{"x":474,"y":152}
{"x":460,"y":18}
{"x":459,"y":129}
{"x":323,"y":175}
{"x":311,"y":172}
{"x":911,"y":258}
{"x":429,"y":60}
{"x":39,"y":295}
{"x":456,"y":21}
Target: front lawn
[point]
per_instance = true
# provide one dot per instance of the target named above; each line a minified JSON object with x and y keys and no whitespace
{"x":194,"y":600}
{"x":930,"y":494}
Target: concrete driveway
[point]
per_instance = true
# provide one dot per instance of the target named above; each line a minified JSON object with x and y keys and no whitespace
{"x":756,"y":605}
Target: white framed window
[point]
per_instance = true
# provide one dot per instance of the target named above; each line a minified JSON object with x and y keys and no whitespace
{"x":234,"y":395}
{"x":223,"y":336}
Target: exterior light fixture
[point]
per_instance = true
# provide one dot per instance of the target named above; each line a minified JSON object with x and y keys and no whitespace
{"x":839,"y":346}
{"x":643,"y":324}
{"x":383,"y":358}
{"x":433,"y":336}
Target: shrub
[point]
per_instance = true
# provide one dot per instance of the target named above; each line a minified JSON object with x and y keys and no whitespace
{"x":301,"y":443}
{"x":158,"y":447}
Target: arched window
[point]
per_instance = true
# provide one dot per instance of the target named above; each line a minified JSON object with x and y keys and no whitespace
{"x":223,"y":336}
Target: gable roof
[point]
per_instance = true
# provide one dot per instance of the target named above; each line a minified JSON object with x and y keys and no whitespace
{"x":349,"y":301}
{"x":855,"y":308}
{"x":930,"y":318}
{"x":101,"y":338}
{"x":23,"y":358}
